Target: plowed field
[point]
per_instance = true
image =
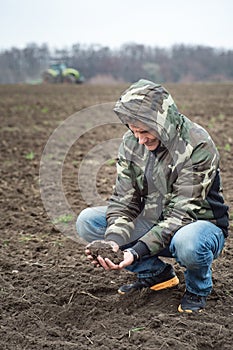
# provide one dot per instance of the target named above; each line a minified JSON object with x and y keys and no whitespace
{"x":51,"y":297}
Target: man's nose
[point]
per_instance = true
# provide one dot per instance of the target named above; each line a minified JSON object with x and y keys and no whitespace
{"x":141,"y":139}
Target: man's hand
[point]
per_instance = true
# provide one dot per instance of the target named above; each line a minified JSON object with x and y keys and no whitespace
{"x":93,"y":253}
{"x":105,"y":262}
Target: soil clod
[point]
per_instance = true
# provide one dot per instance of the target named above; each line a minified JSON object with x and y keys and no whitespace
{"x":105,"y":251}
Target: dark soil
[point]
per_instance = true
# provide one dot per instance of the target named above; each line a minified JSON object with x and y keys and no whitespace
{"x":51,"y":297}
{"x":105,"y":251}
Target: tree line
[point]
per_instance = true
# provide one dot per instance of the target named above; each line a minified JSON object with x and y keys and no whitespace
{"x":130,"y":62}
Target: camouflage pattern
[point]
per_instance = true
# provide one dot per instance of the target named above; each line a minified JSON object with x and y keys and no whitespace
{"x":169,"y":187}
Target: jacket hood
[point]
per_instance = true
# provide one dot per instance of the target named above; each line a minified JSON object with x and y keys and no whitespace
{"x":150,"y":104}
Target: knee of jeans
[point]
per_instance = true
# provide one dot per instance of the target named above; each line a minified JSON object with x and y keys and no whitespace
{"x":82,"y":223}
{"x":184,"y":252}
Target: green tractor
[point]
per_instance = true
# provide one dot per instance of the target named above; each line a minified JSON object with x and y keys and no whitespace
{"x":60,"y":73}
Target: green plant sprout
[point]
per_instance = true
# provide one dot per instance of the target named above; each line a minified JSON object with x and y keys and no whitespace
{"x":65,"y":219}
{"x":136,"y":329}
{"x":221,"y":116}
{"x":111,"y":162}
{"x":44,"y":110}
{"x":227,"y":147}
{"x":30,"y":155}
{"x":212,"y":122}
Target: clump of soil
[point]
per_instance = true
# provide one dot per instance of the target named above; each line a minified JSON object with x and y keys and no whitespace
{"x":105,"y":251}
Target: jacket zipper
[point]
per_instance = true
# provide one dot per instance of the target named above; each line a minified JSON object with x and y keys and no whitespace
{"x":148,"y":177}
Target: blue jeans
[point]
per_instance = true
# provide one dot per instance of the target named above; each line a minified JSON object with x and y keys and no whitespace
{"x":194,"y":247}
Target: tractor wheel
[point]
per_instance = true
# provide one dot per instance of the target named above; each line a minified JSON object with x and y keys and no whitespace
{"x":48,"y":78}
{"x":69,"y":79}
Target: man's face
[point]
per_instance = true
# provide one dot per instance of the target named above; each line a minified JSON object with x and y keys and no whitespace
{"x":150,"y":141}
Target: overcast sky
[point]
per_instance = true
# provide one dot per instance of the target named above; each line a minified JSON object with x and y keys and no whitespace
{"x":62,"y":23}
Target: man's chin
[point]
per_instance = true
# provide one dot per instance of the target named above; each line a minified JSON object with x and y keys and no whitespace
{"x":151,"y":147}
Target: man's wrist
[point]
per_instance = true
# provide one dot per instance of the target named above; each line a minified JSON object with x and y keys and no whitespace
{"x":138,"y":250}
{"x":141,"y":249}
{"x":134,"y":253}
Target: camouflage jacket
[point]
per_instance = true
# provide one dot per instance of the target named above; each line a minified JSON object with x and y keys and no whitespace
{"x":170,"y":187}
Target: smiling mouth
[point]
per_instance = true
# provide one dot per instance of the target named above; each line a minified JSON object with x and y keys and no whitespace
{"x":149,"y":143}
{"x":153,"y":144}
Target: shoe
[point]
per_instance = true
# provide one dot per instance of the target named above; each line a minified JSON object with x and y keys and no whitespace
{"x":166,"y":279}
{"x":192,"y":303}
